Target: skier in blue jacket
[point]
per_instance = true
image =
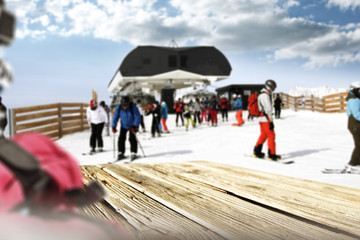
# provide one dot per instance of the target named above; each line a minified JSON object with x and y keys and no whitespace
{"x":238,"y":106}
{"x":353,"y":112}
{"x":130,"y":118}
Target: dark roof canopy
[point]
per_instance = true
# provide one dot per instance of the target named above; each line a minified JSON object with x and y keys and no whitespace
{"x":152,"y":60}
{"x":156,"y":67}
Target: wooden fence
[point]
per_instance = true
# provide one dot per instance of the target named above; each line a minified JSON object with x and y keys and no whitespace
{"x":328,"y":104}
{"x":54,"y":120}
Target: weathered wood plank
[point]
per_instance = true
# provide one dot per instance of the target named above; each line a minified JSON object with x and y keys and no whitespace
{"x":35,"y":108}
{"x":214,"y":207}
{"x":338,"y":207}
{"x":151,"y":218}
{"x":33,"y":116}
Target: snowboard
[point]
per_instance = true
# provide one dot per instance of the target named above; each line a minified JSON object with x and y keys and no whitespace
{"x":282,"y":161}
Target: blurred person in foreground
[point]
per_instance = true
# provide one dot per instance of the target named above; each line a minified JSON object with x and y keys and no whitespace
{"x":41,"y":185}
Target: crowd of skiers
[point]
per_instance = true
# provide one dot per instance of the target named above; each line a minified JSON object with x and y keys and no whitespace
{"x":205,"y":111}
{"x":195,"y":112}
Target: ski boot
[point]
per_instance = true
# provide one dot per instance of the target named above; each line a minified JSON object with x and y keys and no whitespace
{"x":257,"y":151}
{"x":133,"y":156}
{"x":121,"y":156}
{"x":273,"y":157}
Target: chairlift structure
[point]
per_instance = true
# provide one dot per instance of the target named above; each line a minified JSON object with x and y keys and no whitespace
{"x":156,"y":68}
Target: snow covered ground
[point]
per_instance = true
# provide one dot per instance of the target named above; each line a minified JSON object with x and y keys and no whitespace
{"x":313,"y":140}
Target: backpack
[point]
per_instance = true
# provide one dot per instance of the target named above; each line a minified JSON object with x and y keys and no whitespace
{"x":253,"y":105}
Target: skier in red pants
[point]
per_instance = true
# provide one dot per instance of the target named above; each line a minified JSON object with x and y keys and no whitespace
{"x":266,"y":122}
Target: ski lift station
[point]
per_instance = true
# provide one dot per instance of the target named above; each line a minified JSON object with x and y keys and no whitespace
{"x":163,"y":70}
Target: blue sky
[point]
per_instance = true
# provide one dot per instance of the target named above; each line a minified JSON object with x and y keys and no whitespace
{"x":65,"y":48}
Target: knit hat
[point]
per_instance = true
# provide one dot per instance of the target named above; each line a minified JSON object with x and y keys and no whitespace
{"x":93,"y":104}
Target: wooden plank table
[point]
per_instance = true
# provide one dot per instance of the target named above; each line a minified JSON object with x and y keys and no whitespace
{"x":207,"y":200}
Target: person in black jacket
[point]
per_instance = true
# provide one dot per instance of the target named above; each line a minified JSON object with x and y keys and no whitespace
{"x":277,"y":105}
{"x":155,"y":110}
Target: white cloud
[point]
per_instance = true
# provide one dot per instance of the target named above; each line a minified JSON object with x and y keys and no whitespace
{"x":345,"y":4}
{"x":43,"y":20}
{"x":332,"y":49}
{"x":230,"y":25}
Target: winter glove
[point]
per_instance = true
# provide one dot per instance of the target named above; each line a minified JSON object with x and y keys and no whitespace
{"x":114,"y":130}
{"x":271,"y":126}
{"x":134,"y":129}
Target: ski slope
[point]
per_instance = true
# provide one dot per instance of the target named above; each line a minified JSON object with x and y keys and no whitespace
{"x":313,"y":140}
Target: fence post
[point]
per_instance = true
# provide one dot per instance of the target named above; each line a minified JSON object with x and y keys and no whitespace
{"x":312,"y":102}
{"x":11,"y":122}
{"x":288,"y":101}
{"x":60,"y":120}
{"x":340,"y":99}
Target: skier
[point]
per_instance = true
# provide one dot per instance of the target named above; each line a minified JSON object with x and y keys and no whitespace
{"x":154,"y":110}
{"x":141,"y":111}
{"x":224,"y":103}
{"x":129,"y":117}
{"x":3,"y":118}
{"x":107,"y":110}
{"x":96,"y":117}
{"x":214,"y":107}
{"x":266,"y":122}
{"x":203,"y":111}
{"x":164,"y":116}
{"x":179,"y":107}
{"x":277,"y":105}
{"x":197,"y":110}
{"x":353,"y":112}
{"x":238,"y":106}
{"x":187,"y":116}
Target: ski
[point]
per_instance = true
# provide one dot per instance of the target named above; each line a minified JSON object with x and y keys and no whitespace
{"x":282,"y":161}
{"x":92,"y":153}
{"x":339,"y":171}
{"x":334,"y":170}
{"x":118,"y":160}
{"x":88,"y":153}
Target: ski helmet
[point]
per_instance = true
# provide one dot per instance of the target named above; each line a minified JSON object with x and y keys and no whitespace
{"x":125,"y":100}
{"x":270,"y":84}
{"x":234,"y":95}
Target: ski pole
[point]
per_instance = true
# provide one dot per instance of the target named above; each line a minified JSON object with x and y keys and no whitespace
{"x":137,"y":140}
{"x":114,"y":145}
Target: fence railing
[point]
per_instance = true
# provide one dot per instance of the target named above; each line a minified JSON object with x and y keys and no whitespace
{"x":328,"y":104}
{"x":54,"y":120}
